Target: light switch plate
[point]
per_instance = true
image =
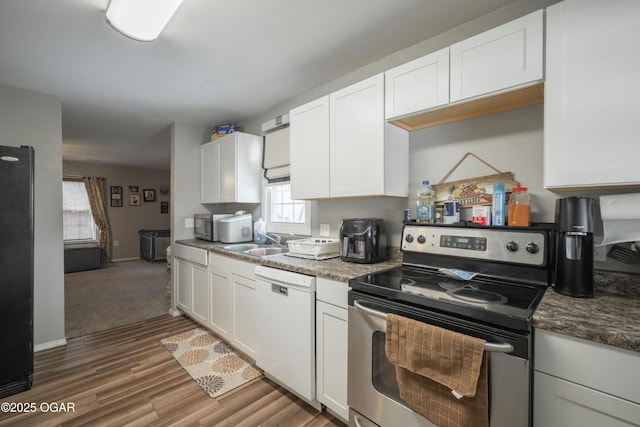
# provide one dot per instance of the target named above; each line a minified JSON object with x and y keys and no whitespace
{"x":188,"y":223}
{"x":324,"y":230}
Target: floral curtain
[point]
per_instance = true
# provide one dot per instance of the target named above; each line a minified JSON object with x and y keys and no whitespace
{"x":95,"y":192}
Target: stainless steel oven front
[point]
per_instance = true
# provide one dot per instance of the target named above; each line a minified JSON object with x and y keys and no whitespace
{"x":373,"y":394}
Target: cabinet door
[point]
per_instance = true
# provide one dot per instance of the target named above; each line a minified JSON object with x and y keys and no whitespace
{"x":184,"y":284}
{"x":417,"y":85}
{"x":331,"y":357}
{"x":592,"y":94}
{"x":566,"y":404}
{"x":357,"y":139}
{"x":209,"y":183}
{"x":309,"y":150}
{"x":200,"y":280}
{"x":503,"y":57}
{"x":227,"y":163}
{"x":244,"y":314}
{"x":221,"y":304}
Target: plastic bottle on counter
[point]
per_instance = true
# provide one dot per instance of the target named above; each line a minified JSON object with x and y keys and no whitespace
{"x":518,"y":207}
{"x":260,"y":231}
{"x":426,"y":209}
{"x":497,"y":217}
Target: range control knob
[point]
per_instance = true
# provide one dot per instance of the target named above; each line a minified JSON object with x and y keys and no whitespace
{"x":512,"y":246}
{"x":532,"y":248}
{"x":408,"y":238}
{"x":421,"y":239}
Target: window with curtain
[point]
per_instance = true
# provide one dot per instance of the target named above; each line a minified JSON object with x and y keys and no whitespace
{"x":78,"y":220}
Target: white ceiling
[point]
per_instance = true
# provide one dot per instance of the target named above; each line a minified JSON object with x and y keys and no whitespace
{"x":217,"y":61}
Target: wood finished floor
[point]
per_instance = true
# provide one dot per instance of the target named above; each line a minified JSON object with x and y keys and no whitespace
{"x":125,"y":377}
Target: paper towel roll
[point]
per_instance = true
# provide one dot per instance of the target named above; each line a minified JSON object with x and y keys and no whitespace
{"x":620,"y":215}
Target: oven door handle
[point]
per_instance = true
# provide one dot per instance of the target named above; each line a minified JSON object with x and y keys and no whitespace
{"x":489,"y":347}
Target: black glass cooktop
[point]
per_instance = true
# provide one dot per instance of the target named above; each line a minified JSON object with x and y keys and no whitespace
{"x":485,"y":299}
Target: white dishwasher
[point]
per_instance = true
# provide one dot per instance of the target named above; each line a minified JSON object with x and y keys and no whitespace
{"x":285,"y":329}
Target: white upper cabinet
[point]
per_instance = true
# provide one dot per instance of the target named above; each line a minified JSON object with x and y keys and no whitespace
{"x":417,"y":85}
{"x":592,"y":95}
{"x":341,"y":146}
{"x":231,"y":169}
{"x":498,"y":70}
{"x":309,"y":150}
{"x":504,"y":57}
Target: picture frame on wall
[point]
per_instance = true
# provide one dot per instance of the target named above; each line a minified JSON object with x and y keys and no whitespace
{"x":134,"y":199}
{"x":164,"y":207}
{"x":149,"y":195}
{"x":133,"y":189}
{"x":116,"y":196}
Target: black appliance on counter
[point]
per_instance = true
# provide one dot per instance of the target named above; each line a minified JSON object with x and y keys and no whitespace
{"x":511,"y":269}
{"x":362,"y":240}
{"x":16,"y":269}
{"x":574,"y":257}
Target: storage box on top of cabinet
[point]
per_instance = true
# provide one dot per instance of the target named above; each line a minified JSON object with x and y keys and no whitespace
{"x":231,"y":169}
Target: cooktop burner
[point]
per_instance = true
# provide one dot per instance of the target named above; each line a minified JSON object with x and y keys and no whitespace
{"x":490,"y":300}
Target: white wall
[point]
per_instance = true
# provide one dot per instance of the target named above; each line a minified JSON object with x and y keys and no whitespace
{"x":30,"y":118}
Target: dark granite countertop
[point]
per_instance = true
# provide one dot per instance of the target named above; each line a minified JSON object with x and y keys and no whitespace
{"x":611,"y":317}
{"x":333,"y":269}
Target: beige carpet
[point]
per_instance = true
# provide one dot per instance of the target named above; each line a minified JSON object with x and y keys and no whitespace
{"x":211,"y":362}
{"x":118,"y":294}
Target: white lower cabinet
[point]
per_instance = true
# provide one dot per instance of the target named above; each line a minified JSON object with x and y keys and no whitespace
{"x":220,"y":302}
{"x":244,"y":313}
{"x":190,"y":277}
{"x":331,"y":346}
{"x":232,"y":302}
{"x":578,"y":383}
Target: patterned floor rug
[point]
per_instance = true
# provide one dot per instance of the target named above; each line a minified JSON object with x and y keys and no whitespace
{"x":212,"y":363}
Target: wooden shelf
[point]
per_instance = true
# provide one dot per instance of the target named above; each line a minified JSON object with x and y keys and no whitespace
{"x":476,"y":107}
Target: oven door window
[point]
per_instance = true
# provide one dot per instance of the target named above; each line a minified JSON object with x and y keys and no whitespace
{"x":383,"y":373}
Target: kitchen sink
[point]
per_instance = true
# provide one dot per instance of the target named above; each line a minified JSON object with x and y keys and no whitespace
{"x":242,"y":247}
{"x":267,"y":251}
{"x":256,"y":249}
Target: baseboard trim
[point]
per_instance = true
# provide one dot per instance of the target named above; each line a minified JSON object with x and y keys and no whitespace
{"x":175,"y":313}
{"x":50,"y":344}
{"x":125,"y":259}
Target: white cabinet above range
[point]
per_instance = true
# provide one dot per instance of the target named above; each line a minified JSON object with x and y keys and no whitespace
{"x":494,"y":71}
{"x":592,"y":96}
{"x":341,"y":146}
{"x":230,"y":169}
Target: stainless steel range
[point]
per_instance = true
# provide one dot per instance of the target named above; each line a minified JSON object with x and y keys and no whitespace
{"x":504,"y":272}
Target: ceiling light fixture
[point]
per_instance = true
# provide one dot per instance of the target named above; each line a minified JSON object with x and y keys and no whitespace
{"x":141,"y":20}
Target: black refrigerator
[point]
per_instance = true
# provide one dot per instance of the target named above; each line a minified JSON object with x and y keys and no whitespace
{"x":16,"y":269}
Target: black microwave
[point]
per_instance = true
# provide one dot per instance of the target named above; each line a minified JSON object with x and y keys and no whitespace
{"x":205,"y":226}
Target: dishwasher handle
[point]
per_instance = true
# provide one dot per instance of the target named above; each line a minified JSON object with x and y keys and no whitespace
{"x":280,"y":290}
{"x":488,"y":346}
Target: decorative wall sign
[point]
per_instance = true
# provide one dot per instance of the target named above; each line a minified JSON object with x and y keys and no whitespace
{"x":134,"y":199}
{"x":116,"y":196}
{"x":149,"y":195}
{"x":472,"y":191}
{"x":164,"y":190}
{"x":164,"y":207}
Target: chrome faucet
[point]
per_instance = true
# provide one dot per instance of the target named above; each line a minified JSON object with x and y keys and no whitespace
{"x":276,"y":239}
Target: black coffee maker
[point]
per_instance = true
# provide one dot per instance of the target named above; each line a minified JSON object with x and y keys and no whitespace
{"x":574,"y":247}
{"x":362,"y":240}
